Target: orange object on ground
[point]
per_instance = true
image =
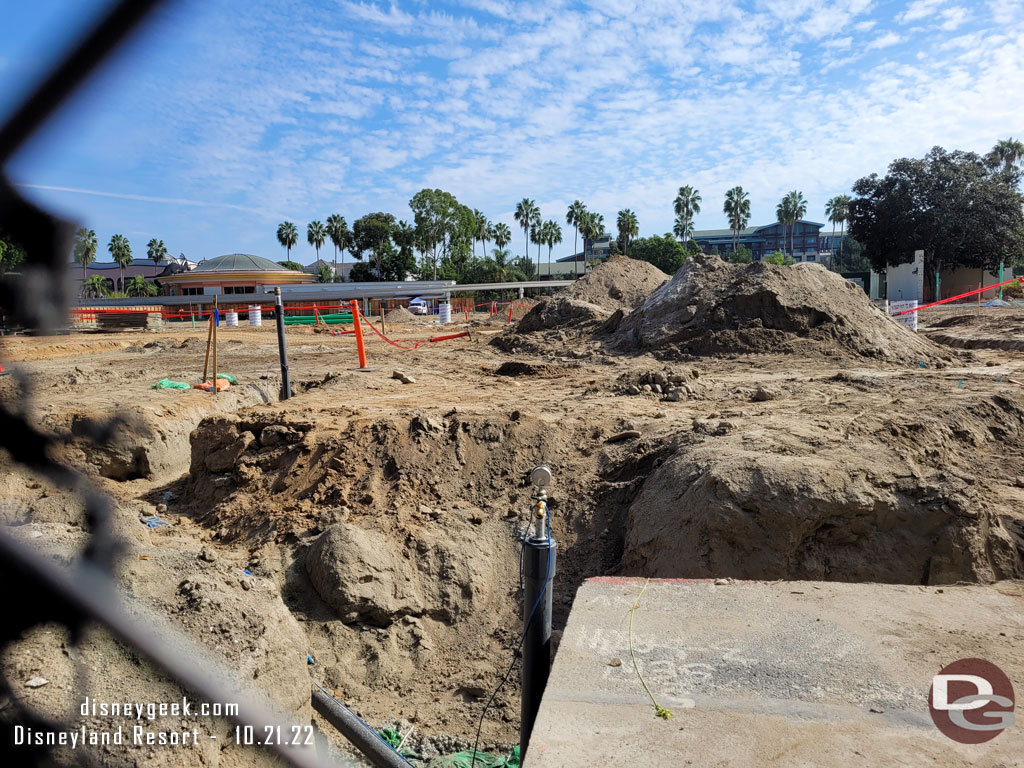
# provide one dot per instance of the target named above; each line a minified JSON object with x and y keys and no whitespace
{"x":222,"y":384}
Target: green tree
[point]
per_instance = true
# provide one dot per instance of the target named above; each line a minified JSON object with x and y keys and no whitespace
{"x":837,"y":210}
{"x":85,"y":249}
{"x":362,"y":273}
{"x":138,"y":286}
{"x":740,"y":255}
{"x":294,"y":265}
{"x":444,"y":227}
{"x":737,"y":209}
{"x":337,"y":231}
{"x":11,"y":254}
{"x":480,"y":229}
{"x":952,"y":205}
{"x":373,"y":233}
{"x":524,"y":266}
{"x":1007,"y":152}
{"x":798,"y":209}
{"x":121,"y":252}
{"x":628,"y":228}
{"x":686,"y":207}
{"x":287,"y":236}
{"x":781,"y":258}
{"x":551,"y":235}
{"x":526,"y":213}
{"x":95,"y":286}
{"x":663,"y":251}
{"x":316,"y":234}
{"x":403,"y":261}
{"x":156,"y":250}
{"x":502,"y":235}
{"x":574,"y":216}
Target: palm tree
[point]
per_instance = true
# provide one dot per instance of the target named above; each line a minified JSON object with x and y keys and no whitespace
{"x":573,"y":216}
{"x":502,"y":235}
{"x":535,"y":227}
{"x":686,"y":207}
{"x":1008,"y":152}
{"x":315,"y":236}
{"x":95,"y":286}
{"x":591,"y":227}
{"x":156,"y":250}
{"x":628,"y":227}
{"x":138,"y":286}
{"x":552,"y":236}
{"x":287,"y":235}
{"x":480,"y":225}
{"x":798,"y":209}
{"x":85,"y":250}
{"x":336,"y":231}
{"x":843,"y":211}
{"x":833,"y":211}
{"x":121,"y":251}
{"x":737,"y":209}
{"x":682,"y":229}
{"x":526,"y":211}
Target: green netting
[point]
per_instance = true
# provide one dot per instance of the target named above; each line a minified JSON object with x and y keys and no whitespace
{"x":227,"y":377}
{"x":168,"y":384}
{"x":483,"y":760}
{"x":340,"y":317}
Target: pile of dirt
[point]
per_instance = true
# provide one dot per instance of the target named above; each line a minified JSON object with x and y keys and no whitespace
{"x":713,"y":307}
{"x":400,"y":315}
{"x":619,"y":283}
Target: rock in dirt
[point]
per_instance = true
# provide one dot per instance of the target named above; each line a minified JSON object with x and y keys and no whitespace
{"x":36,"y":682}
{"x":713,"y":307}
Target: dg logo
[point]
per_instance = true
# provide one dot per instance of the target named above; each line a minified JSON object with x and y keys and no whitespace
{"x":971,"y":701}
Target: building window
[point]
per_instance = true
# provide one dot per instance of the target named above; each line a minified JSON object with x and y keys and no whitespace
{"x":240,"y":289}
{"x":191,"y":291}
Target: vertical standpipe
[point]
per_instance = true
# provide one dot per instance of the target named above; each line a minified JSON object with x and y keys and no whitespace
{"x":539,"y":555}
{"x":286,"y":385}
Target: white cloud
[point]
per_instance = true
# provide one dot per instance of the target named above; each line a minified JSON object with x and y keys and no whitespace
{"x":884,"y":41}
{"x":919,"y":9}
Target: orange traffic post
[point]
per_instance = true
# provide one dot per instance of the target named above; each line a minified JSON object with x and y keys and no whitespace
{"x":359,"y":333}
{"x":511,"y":306}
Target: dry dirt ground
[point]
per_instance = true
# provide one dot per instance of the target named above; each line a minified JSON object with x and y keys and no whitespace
{"x":379,"y":520}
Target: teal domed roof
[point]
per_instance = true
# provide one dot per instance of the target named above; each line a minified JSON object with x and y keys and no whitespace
{"x":239,"y":262}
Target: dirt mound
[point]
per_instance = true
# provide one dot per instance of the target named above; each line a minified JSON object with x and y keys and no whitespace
{"x":619,"y":283}
{"x":713,"y":307}
{"x":561,"y":312}
{"x":400,"y":315}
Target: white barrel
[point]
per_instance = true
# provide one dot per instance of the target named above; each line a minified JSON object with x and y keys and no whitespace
{"x":256,"y":315}
{"x":445,"y":312}
{"x":230,"y":318}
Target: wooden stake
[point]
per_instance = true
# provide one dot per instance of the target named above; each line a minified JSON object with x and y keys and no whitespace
{"x":209,"y":342}
{"x":216,"y":315}
{"x":382,"y":328}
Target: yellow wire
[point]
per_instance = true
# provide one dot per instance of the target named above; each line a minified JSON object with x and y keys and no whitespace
{"x":658,"y":710}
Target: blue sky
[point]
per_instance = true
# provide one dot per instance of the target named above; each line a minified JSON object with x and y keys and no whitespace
{"x":224,"y":118}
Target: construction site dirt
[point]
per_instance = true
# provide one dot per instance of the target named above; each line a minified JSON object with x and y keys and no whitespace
{"x":368,"y":528}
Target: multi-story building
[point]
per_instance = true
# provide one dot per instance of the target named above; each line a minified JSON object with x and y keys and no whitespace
{"x":763,"y":240}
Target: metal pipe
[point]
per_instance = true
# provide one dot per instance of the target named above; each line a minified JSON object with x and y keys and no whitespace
{"x":362,"y":737}
{"x":282,"y":349}
{"x":539,"y":555}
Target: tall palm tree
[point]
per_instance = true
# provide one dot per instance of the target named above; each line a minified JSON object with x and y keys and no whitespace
{"x":95,"y":286}
{"x":833,"y":211}
{"x":628,"y":227}
{"x":1008,"y":152}
{"x":843,"y":211}
{"x":287,"y":235}
{"x":552,"y":235}
{"x":798,"y":209}
{"x":526,"y":212}
{"x":156,"y":250}
{"x":686,"y":207}
{"x":573,"y":216}
{"x":336,"y":229}
{"x":682,"y":229}
{"x":502,"y":235}
{"x":783,"y":214}
{"x":591,"y":227}
{"x":737,"y":209}
{"x":121,"y":251}
{"x":480,"y":225}
{"x":85,"y":250}
{"x":316,"y":233}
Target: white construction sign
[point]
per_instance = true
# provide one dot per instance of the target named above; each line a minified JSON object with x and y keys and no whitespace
{"x":910,"y":318}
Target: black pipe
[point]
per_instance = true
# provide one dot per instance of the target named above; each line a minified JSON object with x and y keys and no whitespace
{"x":362,"y":736}
{"x":282,"y":350}
{"x":538,"y":577}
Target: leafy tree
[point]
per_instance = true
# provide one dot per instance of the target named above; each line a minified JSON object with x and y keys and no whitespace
{"x":337,"y":231}
{"x":737,"y":209}
{"x":1007,"y":152}
{"x":526,"y":213}
{"x":686,"y":207}
{"x":526,"y":267}
{"x":837,"y":210}
{"x":551,"y":235}
{"x":780,"y":258}
{"x":444,"y":227}
{"x":663,"y":251}
{"x":287,"y":236}
{"x":403,"y":262}
{"x":952,"y":205}
{"x":852,"y":255}
{"x":138,"y":286}
{"x":121,"y":251}
{"x":291,"y":265}
{"x":316,"y":233}
{"x":741,"y":255}
{"x":574,"y":216}
{"x":324,"y":274}
{"x":628,"y":228}
{"x":362,"y":273}
{"x":95,"y":286}
{"x":156,"y":250}
{"x":373,"y":233}
{"x":85,"y":249}
{"x":11,"y":254}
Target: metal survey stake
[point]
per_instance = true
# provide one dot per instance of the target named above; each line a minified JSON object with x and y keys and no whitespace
{"x":539,"y":550}
{"x":286,"y":387}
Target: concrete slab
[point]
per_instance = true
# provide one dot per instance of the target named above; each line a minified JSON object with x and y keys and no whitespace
{"x":773,"y":673}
